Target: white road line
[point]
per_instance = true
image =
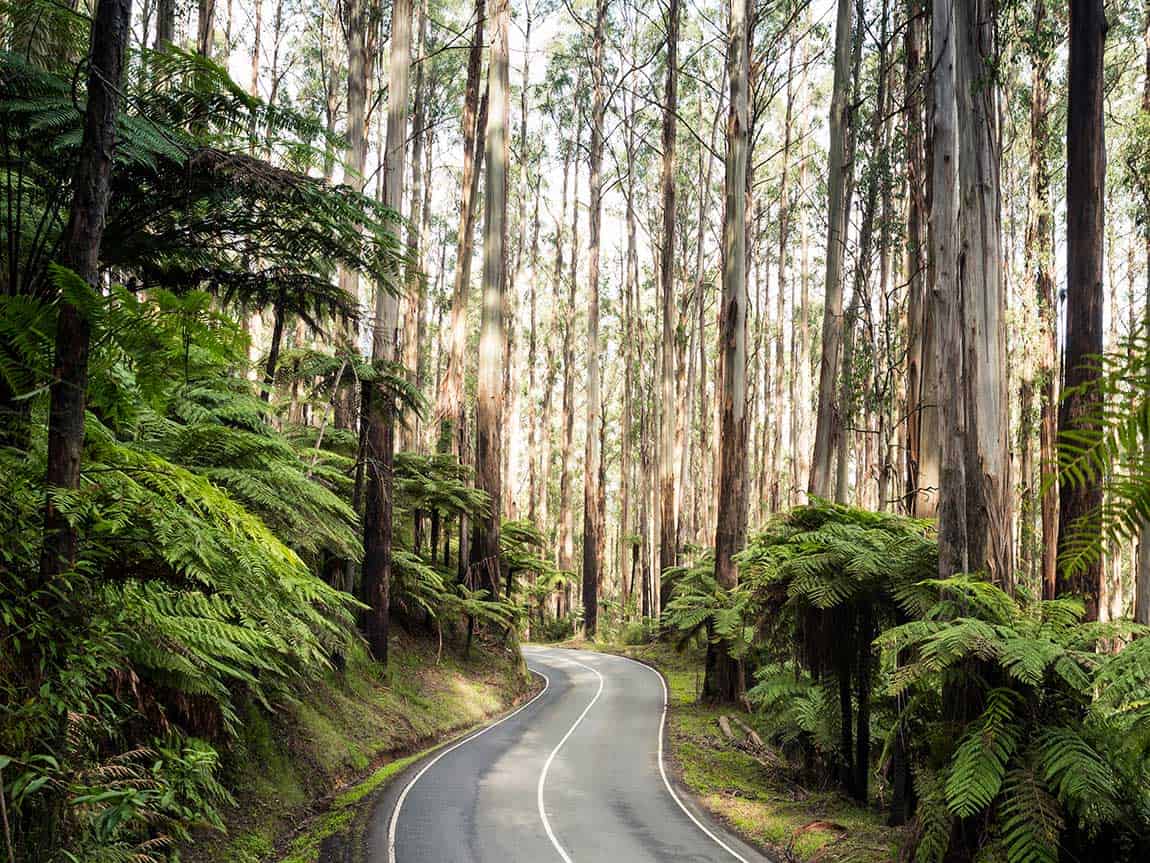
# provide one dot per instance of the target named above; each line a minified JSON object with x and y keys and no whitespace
{"x":663,"y":769}
{"x":391,"y":829}
{"x":547,"y":766}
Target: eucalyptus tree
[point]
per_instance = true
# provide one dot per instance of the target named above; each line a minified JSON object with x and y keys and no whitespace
{"x":1040,"y":266}
{"x":1080,"y":503}
{"x":668,"y":523}
{"x":360,"y":61}
{"x":983,"y":292}
{"x":376,"y":398}
{"x":489,"y":407}
{"x":724,"y":677}
{"x":922,"y":353}
{"x":449,"y":409}
{"x":592,"y":463}
{"x":839,"y":175}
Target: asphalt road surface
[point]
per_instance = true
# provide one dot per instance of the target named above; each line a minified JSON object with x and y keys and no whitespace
{"x":575,"y":775}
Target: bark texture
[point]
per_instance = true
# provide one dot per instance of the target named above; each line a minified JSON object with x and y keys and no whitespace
{"x":489,"y":405}
{"x":378,"y":400}
{"x":838,"y":181}
{"x":724,"y":678}
{"x":1085,"y":188}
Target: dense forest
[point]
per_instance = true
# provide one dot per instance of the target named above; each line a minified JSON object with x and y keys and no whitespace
{"x":814,"y":333}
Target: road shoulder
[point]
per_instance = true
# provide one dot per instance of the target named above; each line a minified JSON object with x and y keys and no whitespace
{"x":741,"y":787}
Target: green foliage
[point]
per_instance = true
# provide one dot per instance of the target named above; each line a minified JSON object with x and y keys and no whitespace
{"x":699,"y":604}
{"x":1110,"y":448}
{"x":192,"y":601}
{"x":1044,"y":759}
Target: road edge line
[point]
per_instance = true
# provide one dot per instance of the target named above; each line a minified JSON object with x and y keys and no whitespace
{"x":394,"y":821}
{"x":662,"y":766}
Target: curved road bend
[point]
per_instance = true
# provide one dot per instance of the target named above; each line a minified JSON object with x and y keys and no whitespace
{"x":573,"y":776}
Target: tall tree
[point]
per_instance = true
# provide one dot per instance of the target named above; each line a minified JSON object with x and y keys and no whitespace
{"x":449,"y":408}
{"x":1085,"y":187}
{"x":415,"y":284}
{"x":946,"y":292}
{"x":839,"y":168}
{"x":205,"y":28}
{"x":969,"y":296}
{"x":68,"y":392}
{"x":922,"y":349}
{"x":983,"y":292}
{"x":667,"y":516}
{"x":1142,"y":574}
{"x":359,"y":49}
{"x":377,"y":399}
{"x":593,"y":493}
{"x":489,"y":407}
{"x":777,"y":407}
{"x":80,"y":253}
{"x":724,"y":678}
{"x":566,"y":475}
{"x":165,"y":24}
{"x":1040,"y":260}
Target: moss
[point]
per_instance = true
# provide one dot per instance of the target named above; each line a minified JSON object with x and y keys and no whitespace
{"x":761,"y":804}
{"x":314,"y":752}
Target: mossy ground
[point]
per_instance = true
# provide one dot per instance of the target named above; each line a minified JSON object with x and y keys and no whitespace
{"x":762,"y":804}
{"x":315,"y":762}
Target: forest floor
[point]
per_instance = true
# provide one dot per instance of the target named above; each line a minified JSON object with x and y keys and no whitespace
{"x":304,"y":778}
{"x":753,"y":793}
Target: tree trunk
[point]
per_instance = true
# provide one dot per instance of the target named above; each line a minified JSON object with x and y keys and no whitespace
{"x":449,"y":408}
{"x":257,"y":26}
{"x":946,"y":293}
{"x":274,"y":349}
{"x":1085,"y":188}
{"x":630,"y":279}
{"x":536,"y":478}
{"x":922,"y":451}
{"x":1142,"y":572}
{"x":489,"y":404}
{"x":592,"y":464}
{"x":839,"y":169}
{"x":205,"y":28}
{"x":724,"y":681}
{"x":667,"y":520}
{"x":378,"y":402}
{"x":1040,"y":258}
{"x":778,"y":408}
{"x":415,"y":283}
{"x":989,"y":535}
{"x":165,"y":24}
{"x":80,"y":252}
{"x":356,"y":159}
{"x":566,"y":510}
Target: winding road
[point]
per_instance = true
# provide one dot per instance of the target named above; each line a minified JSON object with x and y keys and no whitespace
{"x":577,"y":774}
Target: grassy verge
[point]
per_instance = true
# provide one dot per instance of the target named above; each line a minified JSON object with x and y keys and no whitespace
{"x":304,"y":777}
{"x":755,"y":796}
